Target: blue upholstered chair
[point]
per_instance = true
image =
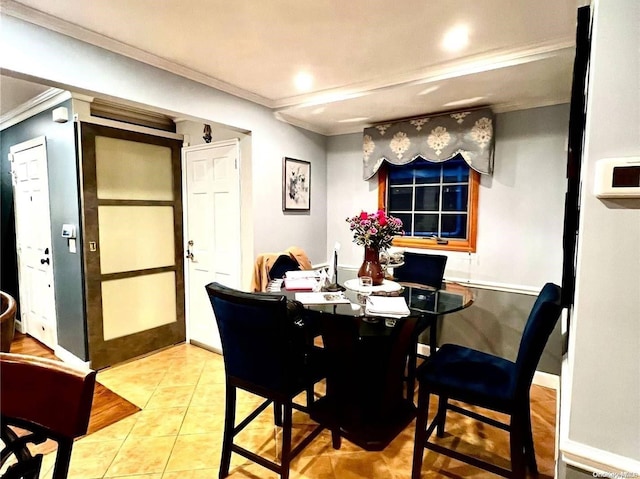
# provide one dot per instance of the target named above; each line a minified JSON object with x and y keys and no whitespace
{"x":425,"y":269}
{"x":481,"y":379}
{"x":263,"y":354}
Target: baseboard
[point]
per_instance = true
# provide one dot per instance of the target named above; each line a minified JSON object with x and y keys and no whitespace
{"x":540,"y":378}
{"x":70,"y":358}
{"x":205,"y":346}
{"x":600,"y":463}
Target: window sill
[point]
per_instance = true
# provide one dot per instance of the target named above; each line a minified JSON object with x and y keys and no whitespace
{"x":429,"y":243}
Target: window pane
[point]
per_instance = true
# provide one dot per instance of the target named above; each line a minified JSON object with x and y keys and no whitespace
{"x":427,"y":198}
{"x":400,"y":175}
{"x":454,"y":226}
{"x":455,"y":171}
{"x":454,"y":198}
{"x":407,"y":223}
{"x":400,"y":199}
{"x":426,"y":225}
{"x":428,"y":172}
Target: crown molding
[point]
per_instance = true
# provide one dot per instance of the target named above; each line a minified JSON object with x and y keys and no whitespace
{"x":464,"y":66}
{"x":36,"y":17}
{"x":35,"y":105}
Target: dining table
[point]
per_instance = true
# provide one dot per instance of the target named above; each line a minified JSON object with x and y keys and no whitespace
{"x":367,"y":399}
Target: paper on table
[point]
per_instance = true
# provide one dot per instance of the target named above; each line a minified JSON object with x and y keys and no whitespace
{"x":302,"y":273}
{"x":300,"y":284}
{"x":389,"y":306}
{"x":321,"y":298}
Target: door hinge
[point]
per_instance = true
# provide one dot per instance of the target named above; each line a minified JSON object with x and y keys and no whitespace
{"x":235,"y":162}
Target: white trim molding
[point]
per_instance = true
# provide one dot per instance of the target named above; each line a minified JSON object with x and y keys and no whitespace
{"x":597,"y":461}
{"x":38,"y":104}
{"x":70,"y":358}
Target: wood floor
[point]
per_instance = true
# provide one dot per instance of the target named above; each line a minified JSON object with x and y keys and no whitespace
{"x":108,"y":407}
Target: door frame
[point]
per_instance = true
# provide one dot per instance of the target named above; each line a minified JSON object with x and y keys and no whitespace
{"x":22,"y":319}
{"x":185,"y":222}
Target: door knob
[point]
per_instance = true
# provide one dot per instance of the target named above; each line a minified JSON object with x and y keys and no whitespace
{"x":44,"y":261}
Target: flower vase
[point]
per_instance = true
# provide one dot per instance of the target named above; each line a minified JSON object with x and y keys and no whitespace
{"x":371,"y":265}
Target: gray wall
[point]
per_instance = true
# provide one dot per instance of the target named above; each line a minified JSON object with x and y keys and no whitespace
{"x":63,"y":195}
{"x":520,"y":219}
{"x":604,"y":342}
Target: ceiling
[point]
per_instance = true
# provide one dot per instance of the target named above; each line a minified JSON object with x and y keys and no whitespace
{"x":369,"y":60}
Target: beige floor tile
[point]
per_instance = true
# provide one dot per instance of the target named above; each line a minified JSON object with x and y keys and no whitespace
{"x":141,"y":476}
{"x":360,"y":465}
{"x":142,"y":455}
{"x":91,"y":460}
{"x":195,"y":451}
{"x":159,"y":422}
{"x":209,"y":394}
{"x":195,"y":474}
{"x":173,"y":396}
{"x":200,"y":420}
{"x":119,"y":430}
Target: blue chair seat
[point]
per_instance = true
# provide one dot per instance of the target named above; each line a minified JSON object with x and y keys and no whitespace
{"x":469,"y":375}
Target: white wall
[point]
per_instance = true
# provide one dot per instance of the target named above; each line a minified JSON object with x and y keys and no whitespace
{"x":39,"y":54}
{"x":521,"y":207}
{"x":604,"y":347}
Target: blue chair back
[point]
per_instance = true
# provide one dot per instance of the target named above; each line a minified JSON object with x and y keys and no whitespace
{"x":256,"y":337}
{"x":425,"y":269}
{"x":542,"y":319}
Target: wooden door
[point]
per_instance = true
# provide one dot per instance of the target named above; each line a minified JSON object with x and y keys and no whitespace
{"x":33,"y":240}
{"x":132,"y":243}
{"x":213,"y":232}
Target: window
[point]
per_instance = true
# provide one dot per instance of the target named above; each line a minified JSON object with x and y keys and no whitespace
{"x":437,"y":203}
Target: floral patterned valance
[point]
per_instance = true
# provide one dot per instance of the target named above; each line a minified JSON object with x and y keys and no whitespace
{"x":435,"y":138}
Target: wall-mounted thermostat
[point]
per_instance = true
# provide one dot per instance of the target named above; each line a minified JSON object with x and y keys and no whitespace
{"x":618,"y":178}
{"x":68,"y":231}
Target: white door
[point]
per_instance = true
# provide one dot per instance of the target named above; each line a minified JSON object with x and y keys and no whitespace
{"x":212,"y":232}
{"x":33,"y":240}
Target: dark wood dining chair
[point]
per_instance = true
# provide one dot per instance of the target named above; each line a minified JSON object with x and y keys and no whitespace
{"x":41,"y":399}
{"x":477,"y":378}
{"x":264,"y":355}
{"x":428,"y":270}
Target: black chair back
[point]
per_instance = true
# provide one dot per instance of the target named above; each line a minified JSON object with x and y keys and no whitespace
{"x":542,"y":319}
{"x":256,"y":337}
{"x":281,"y":265}
{"x":425,"y":269}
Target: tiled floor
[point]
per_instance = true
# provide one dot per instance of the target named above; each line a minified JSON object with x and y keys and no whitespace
{"x":178,"y":433}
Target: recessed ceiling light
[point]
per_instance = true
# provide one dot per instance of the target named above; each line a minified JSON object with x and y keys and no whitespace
{"x":431,"y":89}
{"x":354,"y":120}
{"x":456,"y":38}
{"x":464,"y":102}
{"x":303,"y":81}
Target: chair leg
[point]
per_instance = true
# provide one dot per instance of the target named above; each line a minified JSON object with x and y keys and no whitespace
{"x":441,"y":415}
{"x":310,"y":396}
{"x":229,"y":424}
{"x":421,"y":432}
{"x":411,"y":369}
{"x":336,"y":438}
{"x":63,"y":459}
{"x":529,"y":449}
{"x":286,"y":440}
{"x":277,"y":413}
{"x":517,"y":446}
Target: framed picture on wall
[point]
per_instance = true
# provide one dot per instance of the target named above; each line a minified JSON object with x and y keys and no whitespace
{"x":296,"y":185}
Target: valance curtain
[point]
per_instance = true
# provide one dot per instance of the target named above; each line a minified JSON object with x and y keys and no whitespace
{"x":435,"y":138}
